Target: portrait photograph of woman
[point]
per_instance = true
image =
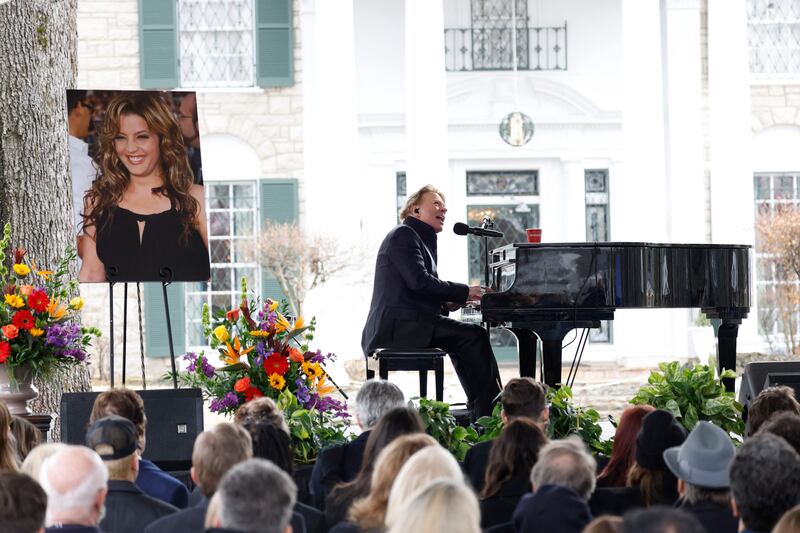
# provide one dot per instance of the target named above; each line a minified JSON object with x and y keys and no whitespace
{"x":143,"y":217}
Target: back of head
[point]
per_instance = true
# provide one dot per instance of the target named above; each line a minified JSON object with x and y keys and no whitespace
{"x":125,"y":403}
{"x":32,"y":465}
{"x":415,"y":198}
{"x":789,"y":522}
{"x":765,"y":480}
{"x":369,"y":512}
{"x":523,"y":397}
{"x":394,"y":423}
{"x":270,"y":442}
{"x":73,"y":478}
{"x":623,"y":454}
{"x":605,"y":524}
{"x":261,"y":409}
{"x":444,"y":505}
{"x":423,"y":468}
{"x":786,"y":425}
{"x":26,"y":434}
{"x":661,"y":519}
{"x":768,"y":402}
{"x":218,"y":450}
{"x":515,"y":450}
{"x":565,"y":463}
{"x":75,"y":96}
{"x":256,"y":496}
{"x":374,"y":399}
{"x":23,"y":503}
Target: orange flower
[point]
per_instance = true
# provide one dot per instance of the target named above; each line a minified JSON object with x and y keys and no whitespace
{"x":231,"y":354}
{"x":242,"y":385}
{"x":56,"y":310}
{"x":281,"y":323}
{"x":232,"y":315}
{"x":44,"y":273}
{"x":10,"y":331}
{"x":259,"y":333}
{"x":324,"y":389}
{"x":296,"y":355}
{"x":26,"y":290}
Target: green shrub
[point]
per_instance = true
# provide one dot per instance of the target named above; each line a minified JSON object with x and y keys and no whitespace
{"x":441,"y":425}
{"x":567,"y":419}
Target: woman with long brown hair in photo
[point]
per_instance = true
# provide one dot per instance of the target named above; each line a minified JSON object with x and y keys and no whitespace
{"x":144,"y":216}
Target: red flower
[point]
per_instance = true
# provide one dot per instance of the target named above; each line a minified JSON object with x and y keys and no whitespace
{"x":276,"y":364}
{"x":19,"y":254}
{"x":23,"y":319}
{"x":251,"y":393}
{"x":10,"y":331}
{"x":232,"y":315}
{"x":38,"y":301}
{"x":5,"y":351}
{"x":242,"y":385}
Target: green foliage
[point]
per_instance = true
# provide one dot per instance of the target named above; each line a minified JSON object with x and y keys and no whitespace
{"x":492,"y":425}
{"x":310,"y":430}
{"x":441,"y":425}
{"x":692,"y":394}
{"x":567,"y":419}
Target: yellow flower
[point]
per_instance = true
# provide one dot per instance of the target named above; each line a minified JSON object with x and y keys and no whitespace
{"x":276,"y":381}
{"x":281,"y":323}
{"x":298,"y":323}
{"x":273,"y":306}
{"x":15,"y":300}
{"x":21,"y":269}
{"x":307,"y":369}
{"x":56,"y":310}
{"x":221,"y":333}
{"x":324,"y":389}
{"x":231,"y":354}
{"x":76,"y":303}
{"x":259,"y":333}
{"x":317,"y":369}
{"x":36,"y":332}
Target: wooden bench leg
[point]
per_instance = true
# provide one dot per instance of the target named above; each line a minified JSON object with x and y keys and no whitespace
{"x":439,"y":375}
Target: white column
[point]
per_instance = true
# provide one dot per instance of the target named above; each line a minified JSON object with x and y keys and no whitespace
{"x":684,"y":139}
{"x":426,"y":95}
{"x":572,"y":210}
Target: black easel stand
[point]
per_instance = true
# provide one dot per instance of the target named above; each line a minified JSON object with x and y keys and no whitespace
{"x":111,"y":273}
{"x":166,"y":275}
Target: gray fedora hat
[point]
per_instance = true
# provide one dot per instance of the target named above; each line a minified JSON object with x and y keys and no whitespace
{"x":703,"y":459}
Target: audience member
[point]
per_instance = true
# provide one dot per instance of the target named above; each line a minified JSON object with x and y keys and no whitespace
{"x":27,"y":436}
{"x":261,"y":408}
{"x":786,"y":425}
{"x":128,"y":509}
{"x":32,"y":465}
{"x":604,"y":524}
{"x":521,"y":398}
{"x":660,"y":519}
{"x":623,"y":454}
{"x":422,"y":468}
{"x":337,"y":464}
{"x":256,"y":496}
{"x":8,"y":447}
{"x":765,"y":482}
{"x":444,"y":505}
{"x":768,"y":402}
{"x":212,"y":513}
{"x":395,"y":423}
{"x":701,"y":465}
{"x":562,"y":479}
{"x":74,"y":479}
{"x":369,"y":512}
{"x":789,"y":522}
{"x":509,"y":470}
{"x":655,"y":482}
{"x":151,"y":479}
{"x":23,"y":504}
{"x":215,"y":452}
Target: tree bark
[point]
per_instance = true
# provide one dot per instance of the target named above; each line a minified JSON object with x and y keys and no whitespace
{"x":38,"y":40}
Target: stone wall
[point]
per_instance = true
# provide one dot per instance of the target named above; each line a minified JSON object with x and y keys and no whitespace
{"x":773,"y":105}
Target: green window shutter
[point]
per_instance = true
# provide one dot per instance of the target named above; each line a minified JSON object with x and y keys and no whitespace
{"x":155,"y":323}
{"x":278,"y":203}
{"x":274,"y":43}
{"x":158,"y":44}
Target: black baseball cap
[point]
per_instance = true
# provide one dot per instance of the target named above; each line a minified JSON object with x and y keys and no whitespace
{"x":112,"y":437}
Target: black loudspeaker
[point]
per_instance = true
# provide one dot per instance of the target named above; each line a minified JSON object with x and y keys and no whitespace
{"x":763,"y":374}
{"x":174,"y":419}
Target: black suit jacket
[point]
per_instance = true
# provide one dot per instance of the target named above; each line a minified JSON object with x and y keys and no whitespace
{"x":192,"y":520}
{"x":407,"y":294}
{"x":130,"y":510}
{"x":475,"y":463}
{"x":336,"y":464}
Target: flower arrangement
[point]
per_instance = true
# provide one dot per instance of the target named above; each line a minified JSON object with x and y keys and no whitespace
{"x":266,"y":354}
{"x":39,"y":326}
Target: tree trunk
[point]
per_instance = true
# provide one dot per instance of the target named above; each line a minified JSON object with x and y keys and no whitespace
{"x":38,"y":64}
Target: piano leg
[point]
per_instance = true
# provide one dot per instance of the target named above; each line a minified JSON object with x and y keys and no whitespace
{"x":726,"y":349}
{"x":526,"y":351}
{"x":551,"y":353}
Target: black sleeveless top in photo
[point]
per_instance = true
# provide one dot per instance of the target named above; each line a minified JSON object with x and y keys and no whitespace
{"x":126,"y":259}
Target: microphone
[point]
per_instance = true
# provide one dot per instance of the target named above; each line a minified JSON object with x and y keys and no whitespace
{"x":459,"y":228}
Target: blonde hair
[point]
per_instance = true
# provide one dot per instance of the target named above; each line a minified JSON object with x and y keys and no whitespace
{"x":415,"y":198}
{"x":789,"y":522}
{"x":370,"y":512}
{"x":32,"y":465}
{"x":212,"y":513}
{"x":444,"y":505}
{"x":423,"y":468}
{"x":119,"y":469}
{"x":218,"y":450}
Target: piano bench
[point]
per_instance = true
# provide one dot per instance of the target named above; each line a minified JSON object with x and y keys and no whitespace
{"x":419,"y":359}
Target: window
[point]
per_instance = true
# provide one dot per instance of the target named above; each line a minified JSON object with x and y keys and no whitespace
{"x":597,"y":229}
{"x":216,"y":43}
{"x":773,"y":29}
{"x":402,"y":193}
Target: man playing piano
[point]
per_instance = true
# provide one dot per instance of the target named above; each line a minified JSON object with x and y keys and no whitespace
{"x":410,"y":303}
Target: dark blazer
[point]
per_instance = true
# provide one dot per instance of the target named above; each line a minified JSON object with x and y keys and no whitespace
{"x":129,"y":510}
{"x":407,"y":294}
{"x":161,"y":486}
{"x":475,"y":463}
{"x":551,"y":508}
{"x":615,"y":501}
{"x":313,"y":518}
{"x":499,"y":509}
{"x":191,"y":520}
{"x":73,"y":529}
{"x":336,"y":464}
{"x":715,"y":518}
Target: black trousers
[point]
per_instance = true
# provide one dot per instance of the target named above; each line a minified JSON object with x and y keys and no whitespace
{"x":472,"y":357}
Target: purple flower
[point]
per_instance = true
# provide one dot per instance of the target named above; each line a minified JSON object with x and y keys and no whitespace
{"x":219,"y":404}
{"x":65,"y":341}
{"x":302,"y":393}
{"x":192,"y":358}
{"x":206,"y":368}
{"x":318,"y":357}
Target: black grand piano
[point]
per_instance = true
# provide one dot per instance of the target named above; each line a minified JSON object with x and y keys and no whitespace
{"x":551,"y":289}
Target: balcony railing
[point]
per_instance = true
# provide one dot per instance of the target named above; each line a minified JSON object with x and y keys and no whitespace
{"x":538,"y":48}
